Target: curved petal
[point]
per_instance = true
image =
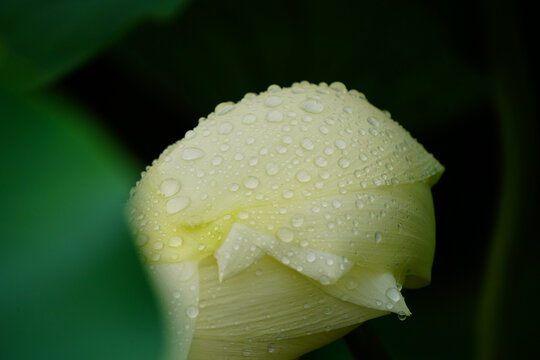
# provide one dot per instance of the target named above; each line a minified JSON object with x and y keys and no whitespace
{"x":269,"y":304}
{"x":177,"y":286}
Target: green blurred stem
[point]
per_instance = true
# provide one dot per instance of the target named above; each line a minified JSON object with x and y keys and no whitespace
{"x":514,"y":109}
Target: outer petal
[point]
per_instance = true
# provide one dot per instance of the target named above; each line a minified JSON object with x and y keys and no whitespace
{"x":283,"y":147}
{"x":177,"y":286}
{"x":268,"y":307}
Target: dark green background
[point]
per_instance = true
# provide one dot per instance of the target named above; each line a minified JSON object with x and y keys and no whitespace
{"x":92,"y":91}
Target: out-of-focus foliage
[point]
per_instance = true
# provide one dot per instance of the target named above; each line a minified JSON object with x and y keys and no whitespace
{"x":70,"y":285}
{"x":41,"y":40}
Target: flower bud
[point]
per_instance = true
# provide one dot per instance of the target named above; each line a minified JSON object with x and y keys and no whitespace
{"x":283,"y":221}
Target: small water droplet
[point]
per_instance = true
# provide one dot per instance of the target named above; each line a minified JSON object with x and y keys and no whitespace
{"x":340,"y":144}
{"x":378,"y":237}
{"x":274,"y":116}
{"x":192,"y":311}
{"x":271,"y":347}
{"x":192,"y":153}
{"x":249,"y":119}
{"x":285,"y":234}
{"x":307,"y":144}
{"x":175,"y":241}
{"x":344,"y":163}
{"x":402,"y":316}
{"x":287,"y":194}
{"x":372,"y":121}
{"x":310,"y":257}
{"x":312,"y":106}
{"x":303,"y":176}
{"x":225,"y":128}
{"x":272,"y":101}
{"x":251,"y":182}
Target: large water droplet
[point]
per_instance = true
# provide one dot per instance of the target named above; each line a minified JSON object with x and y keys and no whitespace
{"x":169,"y":187}
{"x":393,"y":294}
{"x":177,"y":204}
{"x":373,"y":121}
{"x":192,"y":153}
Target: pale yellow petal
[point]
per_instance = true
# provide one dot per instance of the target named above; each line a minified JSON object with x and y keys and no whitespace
{"x":268,"y":152}
{"x":370,"y":288}
{"x":177,"y":287}
{"x":268,"y":303}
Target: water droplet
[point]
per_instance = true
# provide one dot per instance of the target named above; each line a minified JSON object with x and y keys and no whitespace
{"x":310,"y":257}
{"x":274,"y":116}
{"x":307,"y":144}
{"x":287,"y":194}
{"x":393,"y":294}
{"x":338,"y":86}
{"x":303,"y":176}
{"x":285,"y":234}
{"x":312,"y":106}
{"x":336,"y":204}
{"x":323,"y":130}
{"x":251,"y":182}
{"x":272,"y":101}
{"x":158,"y":245}
{"x":243,"y":215}
{"x":177,"y":204}
{"x":246,"y":352}
{"x":321,"y":162}
{"x":347,"y":109}
{"x":324,"y":280}
{"x":175,"y":241}
{"x":351,"y":284}
{"x":340,"y":144}
{"x":285,"y":260}
{"x":359,"y":204}
{"x":192,"y":311}
{"x":234,"y":187}
{"x":225,"y":128}
{"x":363,"y":157}
{"x":192,"y":153}
{"x":224,"y":108}
{"x":217,"y":160}
{"x":372,"y":121}
{"x":249,"y":119}
{"x":271,"y":347}
{"x":402,"y":316}
{"x":169,"y":187}
{"x":344,"y":163}
{"x":297,"y":220}
{"x":141,"y":240}
{"x":378,"y":237}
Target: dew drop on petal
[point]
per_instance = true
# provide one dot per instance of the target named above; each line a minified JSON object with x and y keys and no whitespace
{"x":303,"y":176}
{"x":393,"y":294}
{"x":177,"y":204}
{"x":169,"y":187}
{"x":251,"y":182}
{"x":175,"y":241}
{"x":312,"y":106}
{"x":285,"y":234}
{"x":192,"y":311}
{"x":274,"y":116}
{"x":249,"y":119}
{"x":192,"y":153}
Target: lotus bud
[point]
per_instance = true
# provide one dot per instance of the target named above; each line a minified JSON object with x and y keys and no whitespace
{"x":282,"y":222}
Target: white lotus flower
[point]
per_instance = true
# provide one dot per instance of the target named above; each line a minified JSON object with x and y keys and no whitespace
{"x":283,"y":221}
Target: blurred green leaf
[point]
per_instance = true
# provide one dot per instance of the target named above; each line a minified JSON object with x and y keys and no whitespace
{"x":70,"y":283}
{"x":41,"y":40}
{"x":398,"y":54}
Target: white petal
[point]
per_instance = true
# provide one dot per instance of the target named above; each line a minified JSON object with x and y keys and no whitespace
{"x":323,"y":143}
{"x":236,"y":253}
{"x":250,"y":245}
{"x":268,"y":303}
{"x":370,"y":288}
{"x":177,"y":286}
